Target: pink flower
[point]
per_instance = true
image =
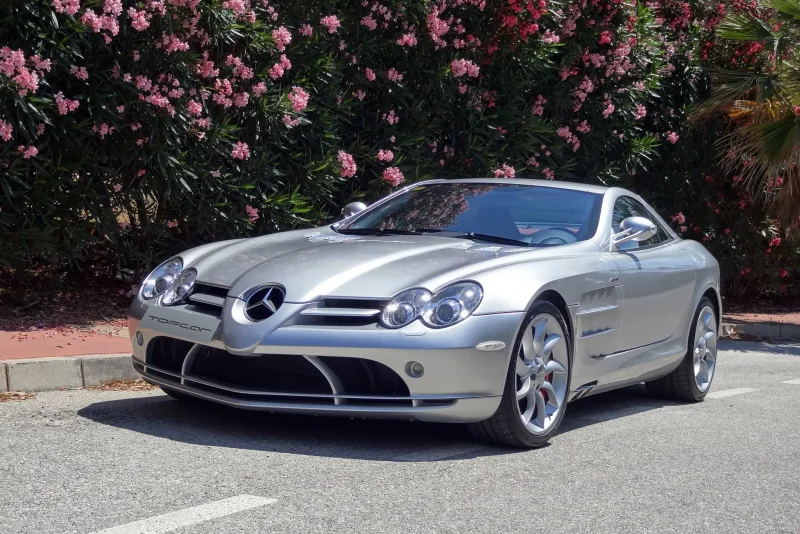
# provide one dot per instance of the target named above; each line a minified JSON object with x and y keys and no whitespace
{"x":360,"y":94}
{"x":194,"y":108}
{"x":394,"y":76}
{"x":393,"y":176}
{"x":41,"y":64}
{"x":216,"y":174}
{"x":136,"y":55}
{"x":140,"y":20}
{"x":368,"y":72}
{"x":538,"y":106}
{"x":331,"y":22}
{"x":641,"y":111}
{"x":117,"y":188}
{"x":391,"y":118}
{"x":252,"y":213}
{"x":79,"y":72}
{"x":504,"y":171}
{"x":279,"y":68}
{"x":282,"y":37}
{"x":385,"y":155}
{"x":392,"y":139}
{"x":172,"y":224}
{"x":462,"y":88}
{"x":240,"y":100}
{"x":408,"y":39}
{"x":460,"y":67}
{"x":548,"y":173}
{"x":775,"y":241}
{"x":672,"y":137}
{"x":369,"y":22}
{"x":299,"y":98}
{"x":103,"y":130}
{"x":6,"y":130}
{"x":65,"y":105}
{"x":679,"y":218}
{"x":584,"y":127}
{"x":608,"y":110}
{"x":605,"y":38}
{"x":306,"y":30}
{"x":289,"y":121}
{"x":70,"y":7}
{"x":348,"y":164}
{"x":28,"y":152}
{"x":240,"y":151}
{"x":259,"y":89}
{"x":784,"y":273}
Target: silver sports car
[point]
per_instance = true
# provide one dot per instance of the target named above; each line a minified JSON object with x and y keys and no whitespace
{"x":480,"y":301}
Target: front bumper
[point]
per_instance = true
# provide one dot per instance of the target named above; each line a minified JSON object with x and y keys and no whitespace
{"x":460,"y":383}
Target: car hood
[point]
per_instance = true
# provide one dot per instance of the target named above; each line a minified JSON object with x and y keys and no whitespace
{"x":314,"y":263}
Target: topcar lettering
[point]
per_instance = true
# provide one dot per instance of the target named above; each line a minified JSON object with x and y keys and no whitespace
{"x":191,"y":327}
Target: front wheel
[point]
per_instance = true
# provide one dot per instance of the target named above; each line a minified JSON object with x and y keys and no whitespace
{"x":692,"y":379}
{"x":537,"y":384}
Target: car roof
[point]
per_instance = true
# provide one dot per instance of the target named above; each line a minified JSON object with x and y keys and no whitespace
{"x":525,"y":181}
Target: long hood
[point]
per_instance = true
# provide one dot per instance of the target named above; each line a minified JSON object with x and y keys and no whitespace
{"x":315,"y":263}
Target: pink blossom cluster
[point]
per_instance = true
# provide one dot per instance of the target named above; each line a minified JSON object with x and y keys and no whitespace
{"x":103,"y":130}
{"x":79,"y":72}
{"x":65,"y":105}
{"x":672,"y":137}
{"x":393,"y":176}
{"x":538,"y":106}
{"x":370,"y":23}
{"x":569,"y":137}
{"x":408,"y":39}
{"x":390,"y":117}
{"x":504,"y":171}
{"x":279,"y":68}
{"x":347,"y":164}
{"x":608,"y":109}
{"x":240,"y":70}
{"x":240,"y":151}
{"x":370,"y":74}
{"x":385,"y":155}
{"x":28,"y":152}
{"x":306,"y":30}
{"x":259,"y":89}
{"x":460,"y":67}
{"x":252,"y":213}
{"x":70,"y":7}
{"x":282,"y":37}
{"x":299,"y":98}
{"x":549,"y":173}
{"x":13,"y":65}
{"x":640,"y":112}
{"x":331,"y":22}
{"x":205,"y":67}
{"x":6,"y":130}
{"x":289,"y":121}
{"x":140,"y":20}
{"x":393,"y":75}
{"x":583,"y":127}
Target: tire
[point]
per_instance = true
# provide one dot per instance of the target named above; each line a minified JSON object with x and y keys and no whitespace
{"x":684,"y":384}
{"x":507,"y":426}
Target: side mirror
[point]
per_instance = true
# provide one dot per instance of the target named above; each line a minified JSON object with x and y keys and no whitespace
{"x":634,"y":229}
{"x":353,"y":208}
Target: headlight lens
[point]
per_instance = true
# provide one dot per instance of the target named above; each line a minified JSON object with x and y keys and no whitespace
{"x":180,"y":288}
{"x":452,"y":304}
{"x":405,"y":308}
{"x":161,"y":278}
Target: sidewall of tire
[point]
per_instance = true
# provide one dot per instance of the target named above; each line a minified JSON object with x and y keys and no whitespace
{"x":696,"y":394}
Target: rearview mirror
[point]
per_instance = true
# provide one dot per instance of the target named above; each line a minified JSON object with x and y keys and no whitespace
{"x":634,"y":229}
{"x":353,"y":208}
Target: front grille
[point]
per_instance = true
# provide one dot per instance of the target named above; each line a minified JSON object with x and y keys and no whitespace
{"x":269,"y":372}
{"x":342,"y":312}
{"x":168,"y":353}
{"x":207,"y":298}
{"x":366,"y":377}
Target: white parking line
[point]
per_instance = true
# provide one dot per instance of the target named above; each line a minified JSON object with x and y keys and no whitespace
{"x":439,"y":453}
{"x":795,"y":381}
{"x":728,"y":393}
{"x":189,"y":516}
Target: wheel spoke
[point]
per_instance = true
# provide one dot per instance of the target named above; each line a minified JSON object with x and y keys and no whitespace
{"x":554,"y":367}
{"x":552,"y":398}
{"x":523,"y":371}
{"x":702,"y":375}
{"x":541,"y":410}
{"x":709,"y":356}
{"x":549,"y":344}
{"x":707,"y":316}
{"x":539,"y":333}
{"x":526,"y":417}
{"x":527,"y":344}
{"x":709,"y":336}
{"x":523,"y":391}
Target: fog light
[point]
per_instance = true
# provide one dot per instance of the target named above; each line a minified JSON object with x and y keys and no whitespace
{"x":139,"y":338}
{"x":415,"y":369}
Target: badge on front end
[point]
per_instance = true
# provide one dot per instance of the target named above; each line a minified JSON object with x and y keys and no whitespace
{"x":190,"y":326}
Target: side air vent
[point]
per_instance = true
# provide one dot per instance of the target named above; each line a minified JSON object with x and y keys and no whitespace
{"x":264,"y":302}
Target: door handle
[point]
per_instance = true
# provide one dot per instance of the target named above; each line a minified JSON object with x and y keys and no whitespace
{"x":614,"y":278}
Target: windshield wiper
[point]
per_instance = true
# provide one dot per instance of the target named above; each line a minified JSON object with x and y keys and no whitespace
{"x":475,"y":236}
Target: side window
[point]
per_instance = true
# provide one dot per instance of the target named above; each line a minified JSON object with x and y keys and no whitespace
{"x":626,"y":207}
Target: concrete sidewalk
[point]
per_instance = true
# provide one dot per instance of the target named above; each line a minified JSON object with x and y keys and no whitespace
{"x":65,"y":358}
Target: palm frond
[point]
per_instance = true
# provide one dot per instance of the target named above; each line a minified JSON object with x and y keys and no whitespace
{"x":742,"y":27}
{"x":787,"y":7}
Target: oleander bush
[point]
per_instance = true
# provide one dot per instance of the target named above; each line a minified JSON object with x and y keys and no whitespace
{"x":132,"y":129}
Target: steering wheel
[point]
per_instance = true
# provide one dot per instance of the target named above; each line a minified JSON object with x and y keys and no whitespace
{"x":553,"y":236}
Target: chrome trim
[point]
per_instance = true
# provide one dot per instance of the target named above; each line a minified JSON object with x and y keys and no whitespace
{"x":601,"y":309}
{"x":599,"y":333}
{"x":330,"y":376}
{"x":138,"y":363}
{"x":340,"y":312}
{"x":207,"y":299}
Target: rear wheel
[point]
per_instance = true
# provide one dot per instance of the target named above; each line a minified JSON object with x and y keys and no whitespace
{"x":692,"y":379}
{"x":537,"y":383}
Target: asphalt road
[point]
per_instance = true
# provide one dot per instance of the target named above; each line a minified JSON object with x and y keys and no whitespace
{"x":86,"y":461}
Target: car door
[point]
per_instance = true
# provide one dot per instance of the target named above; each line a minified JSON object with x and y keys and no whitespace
{"x":657,"y":281}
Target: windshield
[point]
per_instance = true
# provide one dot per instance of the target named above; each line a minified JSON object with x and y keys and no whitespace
{"x":533,"y":215}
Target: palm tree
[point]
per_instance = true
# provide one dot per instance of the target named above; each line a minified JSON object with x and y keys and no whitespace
{"x":762,"y":104}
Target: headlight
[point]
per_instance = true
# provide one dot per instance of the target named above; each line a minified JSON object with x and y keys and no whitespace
{"x":405,"y":308}
{"x":447,"y":307}
{"x":180,"y":288}
{"x":452,"y":304}
{"x":161,"y":278}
